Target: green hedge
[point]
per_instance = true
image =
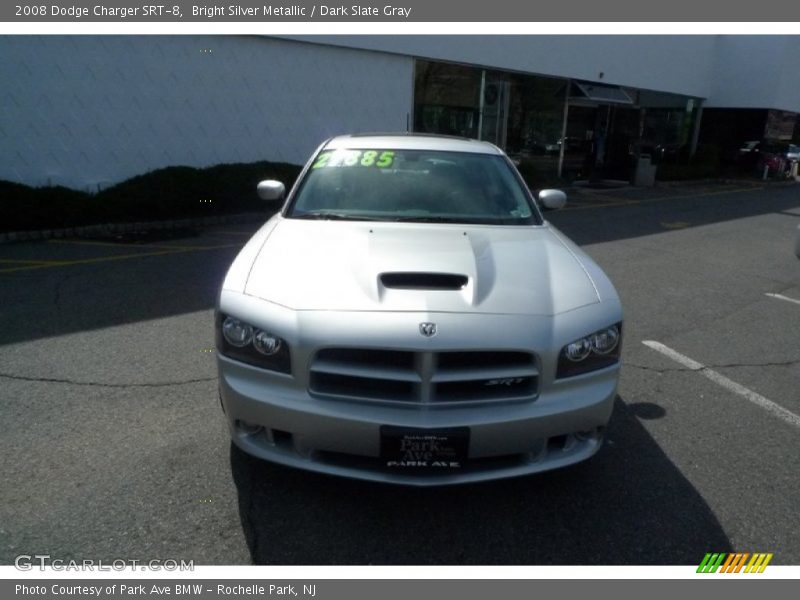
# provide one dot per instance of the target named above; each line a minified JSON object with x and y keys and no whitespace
{"x":172,"y":192}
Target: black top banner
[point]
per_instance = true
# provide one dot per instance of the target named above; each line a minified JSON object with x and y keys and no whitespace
{"x":250,"y":11}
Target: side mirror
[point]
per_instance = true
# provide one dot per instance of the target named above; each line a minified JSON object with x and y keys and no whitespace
{"x":552,"y":199}
{"x":269,"y":189}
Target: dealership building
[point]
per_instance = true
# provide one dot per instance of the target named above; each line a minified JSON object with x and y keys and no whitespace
{"x":90,"y":111}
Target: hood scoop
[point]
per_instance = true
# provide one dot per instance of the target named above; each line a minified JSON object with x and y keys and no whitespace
{"x":423,"y":281}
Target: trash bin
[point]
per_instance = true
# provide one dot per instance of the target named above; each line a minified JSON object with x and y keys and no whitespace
{"x":645,"y":173}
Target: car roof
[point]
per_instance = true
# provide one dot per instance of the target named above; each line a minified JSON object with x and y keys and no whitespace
{"x":412,"y":141}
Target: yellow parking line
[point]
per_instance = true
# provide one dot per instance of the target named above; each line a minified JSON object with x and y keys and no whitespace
{"x":615,"y":201}
{"x":85,"y":261}
{"x":675,"y":224}
{"x":29,"y":262}
{"x":121,"y":244}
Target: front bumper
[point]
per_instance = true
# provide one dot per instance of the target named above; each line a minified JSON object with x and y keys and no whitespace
{"x":505,"y":441}
{"x":273,"y":416}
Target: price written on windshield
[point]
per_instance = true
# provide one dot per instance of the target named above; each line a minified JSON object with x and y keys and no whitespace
{"x":355,"y":158}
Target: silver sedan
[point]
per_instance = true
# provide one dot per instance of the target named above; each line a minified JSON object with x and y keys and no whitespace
{"x":410,"y":317}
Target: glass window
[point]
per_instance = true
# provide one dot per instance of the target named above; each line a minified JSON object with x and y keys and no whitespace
{"x":446,"y":99}
{"x":413,"y":186}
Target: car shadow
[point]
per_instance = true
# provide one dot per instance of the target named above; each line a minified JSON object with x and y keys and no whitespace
{"x":55,"y":301}
{"x":629,"y":505}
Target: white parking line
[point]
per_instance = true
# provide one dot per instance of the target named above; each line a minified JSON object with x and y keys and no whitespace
{"x":782,"y":297}
{"x":757,"y":399}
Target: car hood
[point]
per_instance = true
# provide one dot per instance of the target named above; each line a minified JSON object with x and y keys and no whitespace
{"x":341,"y":265}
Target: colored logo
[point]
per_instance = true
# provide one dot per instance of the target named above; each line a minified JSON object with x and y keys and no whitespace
{"x":736,"y":562}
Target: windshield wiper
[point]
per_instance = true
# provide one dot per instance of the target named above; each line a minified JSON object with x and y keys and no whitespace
{"x":330,"y":216}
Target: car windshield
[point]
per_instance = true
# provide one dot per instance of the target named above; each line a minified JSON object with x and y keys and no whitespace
{"x":414,"y":186}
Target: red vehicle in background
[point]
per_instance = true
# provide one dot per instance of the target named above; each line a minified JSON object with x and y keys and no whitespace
{"x":775,"y":159}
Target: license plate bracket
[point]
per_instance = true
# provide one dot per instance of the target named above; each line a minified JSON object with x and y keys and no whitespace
{"x":424,"y":449}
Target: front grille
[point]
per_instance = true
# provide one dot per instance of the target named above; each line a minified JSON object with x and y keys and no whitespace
{"x":365,"y":374}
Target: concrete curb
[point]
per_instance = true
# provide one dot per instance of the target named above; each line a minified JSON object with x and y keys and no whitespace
{"x":104,"y":229}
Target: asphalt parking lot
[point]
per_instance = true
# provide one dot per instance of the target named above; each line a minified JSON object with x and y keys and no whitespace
{"x":115,"y":447}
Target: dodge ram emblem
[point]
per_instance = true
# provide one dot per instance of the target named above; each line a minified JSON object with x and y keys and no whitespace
{"x":427,"y":329}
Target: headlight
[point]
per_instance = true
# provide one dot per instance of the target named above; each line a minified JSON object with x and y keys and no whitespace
{"x":595,"y":351}
{"x":236,"y":332}
{"x":606,"y":341}
{"x":577,"y":351}
{"x":241,"y":341}
{"x":266,"y":343}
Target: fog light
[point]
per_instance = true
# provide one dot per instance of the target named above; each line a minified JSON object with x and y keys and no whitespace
{"x":582,"y":436}
{"x":248,"y":428}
